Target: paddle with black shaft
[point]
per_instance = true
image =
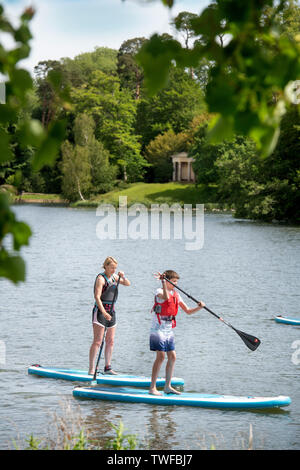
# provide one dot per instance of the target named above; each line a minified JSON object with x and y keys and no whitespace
{"x":101,"y":347}
{"x":250,"y":341}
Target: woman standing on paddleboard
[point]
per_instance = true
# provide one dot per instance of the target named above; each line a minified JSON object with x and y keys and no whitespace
{"x":104,"y":315}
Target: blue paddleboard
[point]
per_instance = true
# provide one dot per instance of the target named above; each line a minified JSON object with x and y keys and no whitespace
{"x":83,"y":376}
{"x":287,"y":320}
{"x":187,"y":399}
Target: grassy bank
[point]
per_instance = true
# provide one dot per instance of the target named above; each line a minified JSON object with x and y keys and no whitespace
{"x":38,"y":198}
{"x":145,"y":193}
{"x":156,"y":193}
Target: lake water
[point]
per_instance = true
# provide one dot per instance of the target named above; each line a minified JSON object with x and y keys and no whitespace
{"x":246,"y":271}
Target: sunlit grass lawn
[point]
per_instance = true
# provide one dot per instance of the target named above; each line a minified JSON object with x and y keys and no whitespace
{"x":145,"y":193}
{"x":157,"y":193}
{"x":42,"y":197}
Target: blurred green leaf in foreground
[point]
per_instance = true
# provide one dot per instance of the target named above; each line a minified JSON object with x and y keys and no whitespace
{"x":16,"y":85}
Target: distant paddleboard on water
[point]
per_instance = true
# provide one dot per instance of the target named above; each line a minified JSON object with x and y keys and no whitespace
{"x":287,"y":320}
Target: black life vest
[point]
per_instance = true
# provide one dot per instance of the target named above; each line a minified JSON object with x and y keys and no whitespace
{"x":108,"y":290}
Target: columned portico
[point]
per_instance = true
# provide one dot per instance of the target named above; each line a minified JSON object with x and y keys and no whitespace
{"x":182,"y":167}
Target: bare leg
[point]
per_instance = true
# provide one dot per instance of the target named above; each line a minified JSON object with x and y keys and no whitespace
{"x":94,"y":349}
{"x":169,"y":373}
{"x":109,"y":345}
{"x":160,"y":356}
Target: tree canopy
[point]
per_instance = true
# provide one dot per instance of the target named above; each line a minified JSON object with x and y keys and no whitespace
{"x":250,"y":69}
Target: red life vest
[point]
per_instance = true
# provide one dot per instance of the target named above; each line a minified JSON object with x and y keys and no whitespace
{"x":168,"y":308}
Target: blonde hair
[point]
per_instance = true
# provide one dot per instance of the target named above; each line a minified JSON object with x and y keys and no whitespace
{"x":108,"y":261}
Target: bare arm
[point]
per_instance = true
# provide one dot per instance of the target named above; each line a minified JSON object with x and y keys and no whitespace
{"x":124,"y":281}
{"x":189,"y":311}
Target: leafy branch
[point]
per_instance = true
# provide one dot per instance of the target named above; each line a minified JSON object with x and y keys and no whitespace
{"x":251,"y":68}
{"x":30,"y":133}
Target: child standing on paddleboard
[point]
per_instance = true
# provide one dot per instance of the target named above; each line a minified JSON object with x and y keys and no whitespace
{"x":166,"y":303}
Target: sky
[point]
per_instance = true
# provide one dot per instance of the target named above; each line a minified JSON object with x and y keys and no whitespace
{"x":66,"y":28}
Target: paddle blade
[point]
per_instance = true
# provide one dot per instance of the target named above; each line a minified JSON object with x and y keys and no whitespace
{"x":250,"y":341}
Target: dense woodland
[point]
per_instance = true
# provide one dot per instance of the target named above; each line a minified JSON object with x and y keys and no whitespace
{"x":118,"y":134}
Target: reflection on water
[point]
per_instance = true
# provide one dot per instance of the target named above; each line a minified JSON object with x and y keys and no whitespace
{"x":162,"y":429}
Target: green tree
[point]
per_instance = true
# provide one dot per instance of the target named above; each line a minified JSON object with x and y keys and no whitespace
{"x":80,"y":69}
{"x":130,"y":73}
{"x":287,"y":17}
{"x":184,"y":24}
{"x":239,"y":171}
{"x":103,"y":174}
{"x":159,"y":152}
{"x":282,"y":170}
{"x":76,"y":181}
{"x":114,"y":113}
{"x":76,"y":168}
{"x":85,"y":165}
{"x":172,"y":108}
{"x":205,"y":155}
{"x":254,"y":65}
{"x":267,"y":189}
{"x":51,"y":87}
